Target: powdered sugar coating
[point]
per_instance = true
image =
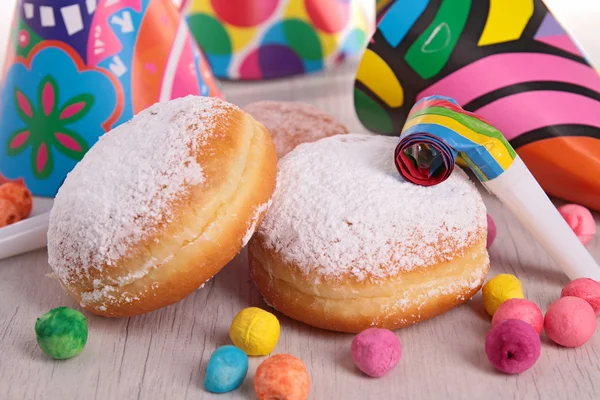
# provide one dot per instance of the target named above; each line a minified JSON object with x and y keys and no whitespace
{"x":341,"y":208}
{"x":123,"y":189}
{"x":292,"y":123}
{"x":254,"y":222}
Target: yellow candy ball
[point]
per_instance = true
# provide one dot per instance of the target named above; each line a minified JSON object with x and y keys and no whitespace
{"x":255,"y":331}
{"x":499,"y":289}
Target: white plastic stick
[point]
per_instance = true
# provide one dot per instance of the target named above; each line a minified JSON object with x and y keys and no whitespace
{"x":522,"y":195}
{"x":28,"y":234}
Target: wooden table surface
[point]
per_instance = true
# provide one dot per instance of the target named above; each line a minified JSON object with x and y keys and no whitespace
{"x":163,"y":355}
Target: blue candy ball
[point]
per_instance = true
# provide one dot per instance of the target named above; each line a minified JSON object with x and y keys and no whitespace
{"x":226,"y":369}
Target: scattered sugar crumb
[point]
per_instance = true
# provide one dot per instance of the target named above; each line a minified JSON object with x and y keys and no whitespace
{"x":204,"y":284}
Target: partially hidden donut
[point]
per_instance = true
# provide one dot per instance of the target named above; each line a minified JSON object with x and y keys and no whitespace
{"x":292,"y":123}
{"x":347,"y":244}
{"x":159,"y":205}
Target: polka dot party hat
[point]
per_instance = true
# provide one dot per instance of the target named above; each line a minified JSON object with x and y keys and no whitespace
{"x":262,"y":39}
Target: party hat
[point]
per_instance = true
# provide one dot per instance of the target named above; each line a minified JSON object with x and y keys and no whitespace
{"x":77,"y":68}
{"x":511,"y":62}
{"x":261,"y":39}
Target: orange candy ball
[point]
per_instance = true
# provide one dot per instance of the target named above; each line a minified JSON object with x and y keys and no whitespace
{"x":8,"y":213}
{"x":282,"y":377}
{"x":19,"y":195}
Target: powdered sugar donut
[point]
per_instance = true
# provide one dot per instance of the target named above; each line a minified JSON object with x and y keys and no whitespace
{"x":293,"y":123}
{"x":348,"y":244}
{"x":159,"y":205}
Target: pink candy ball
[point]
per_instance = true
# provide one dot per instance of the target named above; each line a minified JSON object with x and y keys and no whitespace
{"x":584,"y":288}
{"x":521,"y":309}
{"x":580,"y":219}
{"x":570,"y":321}
{"x":512,"y":346}
{"x":376,"y":351}
{"x":491,"y":235}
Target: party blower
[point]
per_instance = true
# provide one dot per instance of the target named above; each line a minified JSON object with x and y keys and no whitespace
{"x":438,"y":130}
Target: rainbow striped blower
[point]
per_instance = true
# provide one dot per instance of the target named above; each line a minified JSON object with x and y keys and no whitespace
{"x":438,"y":130}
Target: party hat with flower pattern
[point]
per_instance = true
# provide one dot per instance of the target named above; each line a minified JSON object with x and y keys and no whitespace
{"x":78,"y":68}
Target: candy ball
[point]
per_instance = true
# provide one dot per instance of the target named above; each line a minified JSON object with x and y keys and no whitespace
{"x":376,"y":351}
{"x":584,"y":288}
{"x":499,"y":289}
{"x":521,"y":309}
{"x":512,"y":346}
{"x":491,"y":232}
{"x":61,"y":333}
{"x":9,"y":214}
{"x":18,"y":194}
{"x":255,"y":331}
{"x":580,"y":219}
{"x":570,"y":321}
{"x":3,"y":180}
{"x":281,"y":377}
{"x":226,"y":369}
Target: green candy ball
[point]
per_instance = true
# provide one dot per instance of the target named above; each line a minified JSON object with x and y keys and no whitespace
{"x":61,"y":333}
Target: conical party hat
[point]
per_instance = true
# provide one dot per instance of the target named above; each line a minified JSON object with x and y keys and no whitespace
{"x":261,"y":39}
{"x":510,"y":62}
{"x":77,"y":68}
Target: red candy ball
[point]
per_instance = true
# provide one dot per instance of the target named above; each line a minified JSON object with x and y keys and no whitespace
{"x":586,"y":289}
{"x":512,"y":346}
{"x":570,"y":321}
{"x":376,"y":351}
{"x":521,"y":309}
{"x":581,"y":220}
{"x":9,"y":213}
{"x":281,"y":376}
{"x":19,"y":195}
